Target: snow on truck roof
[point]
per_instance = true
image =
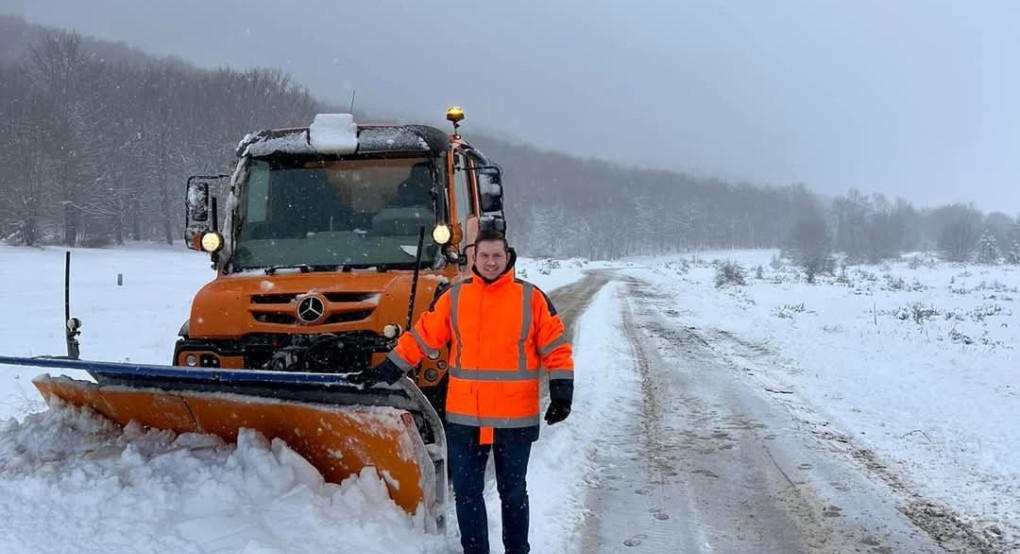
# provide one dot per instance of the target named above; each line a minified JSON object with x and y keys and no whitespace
{"x":338,"y":134}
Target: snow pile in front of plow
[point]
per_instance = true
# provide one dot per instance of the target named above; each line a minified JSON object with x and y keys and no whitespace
{"x":73,"y":480}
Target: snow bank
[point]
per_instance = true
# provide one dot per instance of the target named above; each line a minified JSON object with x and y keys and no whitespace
{"x":72,"y":480}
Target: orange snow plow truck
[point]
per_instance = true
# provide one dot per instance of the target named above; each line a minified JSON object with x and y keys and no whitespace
{"x":334,"y":238}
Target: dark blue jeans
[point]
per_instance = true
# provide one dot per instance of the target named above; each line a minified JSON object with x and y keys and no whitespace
{"x":467,"y":466}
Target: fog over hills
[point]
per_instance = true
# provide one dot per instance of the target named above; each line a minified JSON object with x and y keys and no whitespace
{"x":153,"y":121}
{"x":911,"y":99}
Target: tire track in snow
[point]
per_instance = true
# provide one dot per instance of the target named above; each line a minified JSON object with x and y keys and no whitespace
{"x":571,"y":300}
{"x":640,"y":505}
{"x":952,"y":532}
{"x":701,"y":462}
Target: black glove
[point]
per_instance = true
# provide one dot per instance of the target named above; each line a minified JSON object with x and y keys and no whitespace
{"x":558,"y":410}
{"x":386,"y":371}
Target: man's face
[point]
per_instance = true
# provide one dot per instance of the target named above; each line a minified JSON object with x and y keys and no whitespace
{"x":490,"y":259}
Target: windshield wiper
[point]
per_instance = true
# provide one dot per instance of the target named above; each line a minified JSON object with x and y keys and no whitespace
{"x":310,"y":268}
{"x":304,"y":268}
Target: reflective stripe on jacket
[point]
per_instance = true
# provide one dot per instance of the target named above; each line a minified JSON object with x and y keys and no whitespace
{"x":500,"y":335}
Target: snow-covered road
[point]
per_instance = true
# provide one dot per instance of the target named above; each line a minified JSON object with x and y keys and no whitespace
{"x":701,"y":459}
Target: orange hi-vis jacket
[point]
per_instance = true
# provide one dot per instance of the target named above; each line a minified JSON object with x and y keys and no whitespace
{"x":500,"y":334}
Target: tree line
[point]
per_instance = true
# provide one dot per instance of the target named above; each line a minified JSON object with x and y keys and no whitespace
{"x":94,"y":152}
{"x":870,"y":229}
{"x":95,"y":148}
{"x":564,"y":206}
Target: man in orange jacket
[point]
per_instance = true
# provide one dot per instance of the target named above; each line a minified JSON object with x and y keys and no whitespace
{"x":501,"y":330}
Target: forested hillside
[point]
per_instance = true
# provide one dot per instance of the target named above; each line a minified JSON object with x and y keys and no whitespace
{"x":97,"y":140}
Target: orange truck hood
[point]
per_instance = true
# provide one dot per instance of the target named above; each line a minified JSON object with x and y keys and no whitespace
{"x":232,"y":306}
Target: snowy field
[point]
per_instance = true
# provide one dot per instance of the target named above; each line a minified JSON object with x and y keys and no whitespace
{"x":914,"y":362}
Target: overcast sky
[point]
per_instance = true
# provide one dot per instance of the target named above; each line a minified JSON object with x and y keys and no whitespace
{"x":913,"y":98}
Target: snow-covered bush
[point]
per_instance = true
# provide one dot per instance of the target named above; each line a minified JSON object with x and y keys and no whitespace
{"x":865,"y":275}
{"x":776,"y":262}
{"x":916,"y":312}
{"x":787,"y":311}
{"x":1013,"y":254}
{"x":987,"y":251}
{"x":894,"y":283}
{"x":547,"y":265}
{"x":898,"y":284}
{"x":954,"y":315}
{"x":842,"y":278}
{"x":681,"y":267}
{"x":922,"y":313}
{"x":818,"y":266}
{"x":980,"y":312}
{"x":959,"y":337}
{"x":780,"y":278}
{"x":918,"y":260}
{"x":728,"y":272}
{"x":996,"y":286}
{"x":832,"y":329}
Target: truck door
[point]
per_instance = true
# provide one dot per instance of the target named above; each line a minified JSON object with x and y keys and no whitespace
{"x":487,"y":186}
{"x":466,"y":203}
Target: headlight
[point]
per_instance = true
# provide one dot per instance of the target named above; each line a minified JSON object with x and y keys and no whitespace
{"x":441,"y":234}
{"x":212,"y":242}
{"x":191,"y":360}
{"x":391,"y":331}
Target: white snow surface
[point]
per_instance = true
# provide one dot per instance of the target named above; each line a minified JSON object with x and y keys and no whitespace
{"x":936,"y":398}
{"x":334,"y":133}
{"x":915,"y":361}
{"x":293,"y":143}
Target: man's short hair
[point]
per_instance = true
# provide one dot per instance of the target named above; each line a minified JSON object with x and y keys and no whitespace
{"x":489,"y":235}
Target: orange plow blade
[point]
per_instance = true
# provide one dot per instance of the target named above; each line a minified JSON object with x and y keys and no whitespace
{"x":402,"y":440}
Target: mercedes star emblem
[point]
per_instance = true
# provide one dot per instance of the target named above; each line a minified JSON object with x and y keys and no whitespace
{"x":311,"y":308}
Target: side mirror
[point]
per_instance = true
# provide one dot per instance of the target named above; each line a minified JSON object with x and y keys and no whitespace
{"x":491,"y":194}
{"x":492,"y":223}
{"x":200,"y":210}
{"x":198,"y":202}
{"x":490,"y":198}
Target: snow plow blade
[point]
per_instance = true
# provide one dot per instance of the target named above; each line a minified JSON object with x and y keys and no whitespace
{"x":338,"y":427}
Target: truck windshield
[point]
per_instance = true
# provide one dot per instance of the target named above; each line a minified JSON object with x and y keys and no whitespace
{"x":339,"y":213}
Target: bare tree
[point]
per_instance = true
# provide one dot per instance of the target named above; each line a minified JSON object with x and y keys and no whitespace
{"x":852,"y":213}
{"x":959,"y":228}
{"x":68,"y":78}
{"x":810,"y":243}
{"x":25,"y":174}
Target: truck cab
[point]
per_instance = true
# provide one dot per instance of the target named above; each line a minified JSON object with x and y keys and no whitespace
{"x":335,"y":237}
